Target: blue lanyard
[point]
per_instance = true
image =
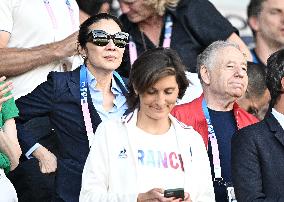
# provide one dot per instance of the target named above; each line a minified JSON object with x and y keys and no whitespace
{"x":166,"y":42}
{"x":120,"y":79}
{"x":214,"y":144}
{"x":84,"y":99}
{"x":168,"y":31}
{"x":84,"y":103}
{"x":83,"y":83}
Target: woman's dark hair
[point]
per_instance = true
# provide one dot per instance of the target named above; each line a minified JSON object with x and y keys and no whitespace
{"x":275,"y":73}
{"x":152,"y":66}
{"x":84,"y":27}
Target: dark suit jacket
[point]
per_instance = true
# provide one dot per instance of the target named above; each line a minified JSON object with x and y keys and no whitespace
{"x":59,"y":98}
{"x":258,"y":161}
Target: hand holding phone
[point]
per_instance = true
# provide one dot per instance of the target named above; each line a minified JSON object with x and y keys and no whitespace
{"x":177,"y":193}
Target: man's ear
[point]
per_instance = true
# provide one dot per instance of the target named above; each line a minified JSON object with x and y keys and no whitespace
{"x":205,"y":75}
{"x":253,"y":23}
{"x":282,"y":84}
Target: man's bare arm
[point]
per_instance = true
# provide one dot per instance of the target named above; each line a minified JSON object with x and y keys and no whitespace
{"x":15,"y":61}
{"x":236,"y":39}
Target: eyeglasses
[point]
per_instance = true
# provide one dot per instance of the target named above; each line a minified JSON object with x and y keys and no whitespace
{"x":101,"y":38}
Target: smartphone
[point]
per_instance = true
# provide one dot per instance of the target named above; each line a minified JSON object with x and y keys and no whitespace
{"x":177,"y":193}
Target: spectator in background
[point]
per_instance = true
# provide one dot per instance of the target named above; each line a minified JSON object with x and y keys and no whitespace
{"x":257,"y":150}
{"x":215,"y":115}
{"x":179,"y":24}
{"x":33,"y":44}
{"x":256,"y":98}
{"x":266,"y":20}
{"x":93,"y":7}
{"x":77,"y":101}
{"x":150,"y":151}
{"x":10,"y":150}
{"x":36,"y":37}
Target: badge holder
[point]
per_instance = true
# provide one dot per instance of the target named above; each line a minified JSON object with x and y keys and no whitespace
{"x":231,"y":193}
{"x":219,"y":181}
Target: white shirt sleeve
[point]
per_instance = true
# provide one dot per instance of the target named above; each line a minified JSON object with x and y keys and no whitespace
{"x":6,"y":15}
{"x":95,"y":178}
{"x":31,"y":150}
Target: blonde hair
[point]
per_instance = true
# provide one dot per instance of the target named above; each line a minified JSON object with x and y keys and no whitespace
{"x":160,"y":5}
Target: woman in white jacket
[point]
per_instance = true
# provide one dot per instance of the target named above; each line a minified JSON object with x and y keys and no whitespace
{"x":148,"y":151}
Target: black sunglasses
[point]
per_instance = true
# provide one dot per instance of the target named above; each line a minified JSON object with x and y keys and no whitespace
{"x":101,"y":38}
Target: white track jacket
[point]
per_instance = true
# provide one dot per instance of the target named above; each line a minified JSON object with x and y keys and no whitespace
{"x":110,"y":175}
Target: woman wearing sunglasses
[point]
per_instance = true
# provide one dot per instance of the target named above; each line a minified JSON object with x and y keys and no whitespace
{"x":76,"y":102}
{"x":148,"y":151}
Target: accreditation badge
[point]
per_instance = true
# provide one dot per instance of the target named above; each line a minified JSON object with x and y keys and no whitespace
{"x":231,"y":193}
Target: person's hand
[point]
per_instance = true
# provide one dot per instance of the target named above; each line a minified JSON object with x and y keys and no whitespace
{"x":68,"y":46}
{"x":47,"y":160}
{"x":187,"y":197}
{"x":5,"y":88}
{"x":157,"y":195}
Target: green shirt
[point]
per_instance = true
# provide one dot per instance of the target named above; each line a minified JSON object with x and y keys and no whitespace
{"x":9,"y":110}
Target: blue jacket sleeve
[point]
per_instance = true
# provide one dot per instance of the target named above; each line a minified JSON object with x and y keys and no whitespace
{"x":38,"y":103}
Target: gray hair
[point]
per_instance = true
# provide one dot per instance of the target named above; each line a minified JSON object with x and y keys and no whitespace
{"x":208,"y":57}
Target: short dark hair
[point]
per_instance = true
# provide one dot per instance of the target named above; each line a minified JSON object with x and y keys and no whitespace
{"x":275,"y":72}
{"x":84,"y":27}
{"x":256,"y":80}
{"x":91,"y":7}
{"x":254,"y":8}
{"x":150,"y":67}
